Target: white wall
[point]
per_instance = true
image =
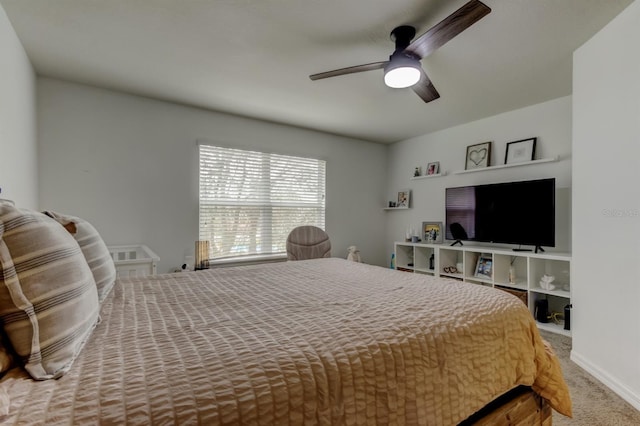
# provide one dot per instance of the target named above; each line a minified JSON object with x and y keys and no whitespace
{"x":550,"y":122}
{"x":606,"y":205}
{"x":18,"y":158}
{"x":129,"y":165}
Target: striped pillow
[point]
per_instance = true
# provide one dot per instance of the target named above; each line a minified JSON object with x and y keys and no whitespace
{"x":94,"y":250}
{"x":48,"y":299}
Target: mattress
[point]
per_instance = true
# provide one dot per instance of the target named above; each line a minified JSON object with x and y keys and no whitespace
{"x":321,"y":341}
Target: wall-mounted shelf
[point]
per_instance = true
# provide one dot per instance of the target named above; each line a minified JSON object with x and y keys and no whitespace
{"x":396,"y":208}
{"x":504,"y":166}
{"x":429,"y":176}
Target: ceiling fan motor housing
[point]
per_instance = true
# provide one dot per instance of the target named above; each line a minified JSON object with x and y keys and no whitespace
{"x":402,"y":36}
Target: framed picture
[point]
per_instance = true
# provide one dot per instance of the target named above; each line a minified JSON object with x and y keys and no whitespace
{"x":403,"y":199}
{"x":433,"y":168}
{"x":478,"y":156}
{"x":520,"y":151}
{"x":484,"y":267}
{"x":432,"y":232}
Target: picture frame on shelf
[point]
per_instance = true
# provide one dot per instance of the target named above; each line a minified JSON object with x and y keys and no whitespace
{"x":404,"y":197}
{"x":478,"y":156}
{"x":433,"y":168}
{"x":417,"y":172}
{"x":432,"y":232}
{"x":520,"y":151}
{"x":484,"y":266}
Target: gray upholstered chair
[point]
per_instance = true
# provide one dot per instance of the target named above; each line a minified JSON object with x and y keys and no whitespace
{"x":308,"y":242}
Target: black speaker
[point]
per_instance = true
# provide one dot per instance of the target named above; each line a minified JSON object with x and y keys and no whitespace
{"x":542,"y":310}
{"x":567,"y":317}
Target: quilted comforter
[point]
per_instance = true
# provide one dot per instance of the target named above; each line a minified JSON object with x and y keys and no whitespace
{"x":310,"y":342}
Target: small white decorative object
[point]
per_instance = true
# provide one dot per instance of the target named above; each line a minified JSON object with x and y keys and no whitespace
{"x":354,"y":254}
{"x":545,"y":282}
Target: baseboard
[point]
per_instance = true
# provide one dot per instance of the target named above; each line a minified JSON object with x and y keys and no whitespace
{"x":620,"y":389}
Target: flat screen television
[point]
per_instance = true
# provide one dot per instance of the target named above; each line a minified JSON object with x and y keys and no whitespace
{"x":520,"y":213}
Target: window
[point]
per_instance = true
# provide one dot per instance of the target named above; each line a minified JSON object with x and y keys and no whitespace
{"x":250,"y":201}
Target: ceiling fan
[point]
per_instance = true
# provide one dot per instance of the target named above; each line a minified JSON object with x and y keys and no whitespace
{"x":403,"y":69}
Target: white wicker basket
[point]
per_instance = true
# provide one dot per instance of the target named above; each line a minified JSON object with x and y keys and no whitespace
{"x":134,"y":260}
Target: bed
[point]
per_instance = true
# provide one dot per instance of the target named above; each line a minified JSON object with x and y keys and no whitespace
{"x":322,"y":341}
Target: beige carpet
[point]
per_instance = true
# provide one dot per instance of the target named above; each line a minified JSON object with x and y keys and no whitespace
{"x":593,"y":403}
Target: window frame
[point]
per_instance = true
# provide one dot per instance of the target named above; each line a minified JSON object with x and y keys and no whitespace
{"x":265,"y":230}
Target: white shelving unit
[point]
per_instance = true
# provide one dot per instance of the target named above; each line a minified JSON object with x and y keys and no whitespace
{"x":396,"y":208}
{"x":528,"y":268}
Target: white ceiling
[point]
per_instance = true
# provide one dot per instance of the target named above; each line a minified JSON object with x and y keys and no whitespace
{"x":253,"y":57}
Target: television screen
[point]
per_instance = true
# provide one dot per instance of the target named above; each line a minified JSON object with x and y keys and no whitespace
{"x":508,"y":213}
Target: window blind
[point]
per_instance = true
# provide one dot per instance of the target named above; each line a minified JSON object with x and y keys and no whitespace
{"x":250,"y":201}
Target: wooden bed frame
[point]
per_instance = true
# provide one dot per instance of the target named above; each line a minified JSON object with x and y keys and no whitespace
{"x":518,"y":407}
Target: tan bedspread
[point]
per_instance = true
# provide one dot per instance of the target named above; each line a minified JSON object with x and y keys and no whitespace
{"x":316,"y":342}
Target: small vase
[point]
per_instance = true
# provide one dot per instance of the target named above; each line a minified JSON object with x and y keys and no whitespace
{"x":512,"y":274}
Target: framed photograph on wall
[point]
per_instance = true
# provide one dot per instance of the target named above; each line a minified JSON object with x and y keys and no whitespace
{"x":478,"y":156}
{"x":432,"y":232}
{"x":520,"y":151}
{"x":433,"y":168}
{"x":484,"y":266}
{"x":404,"y":196}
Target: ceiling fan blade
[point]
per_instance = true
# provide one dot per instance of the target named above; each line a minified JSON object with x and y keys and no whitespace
{"x":448,"y":28}
{"x":349,"y":70}
{"x":425,"y":89}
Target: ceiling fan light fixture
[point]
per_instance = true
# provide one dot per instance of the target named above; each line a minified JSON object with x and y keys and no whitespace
{"x":402,"y":71}
{"x":401,"y":77}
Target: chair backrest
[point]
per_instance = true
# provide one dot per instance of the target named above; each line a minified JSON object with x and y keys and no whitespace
{"x":308,"y":242}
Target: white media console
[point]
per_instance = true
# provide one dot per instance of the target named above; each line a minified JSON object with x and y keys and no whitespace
{"x":514,"y":271}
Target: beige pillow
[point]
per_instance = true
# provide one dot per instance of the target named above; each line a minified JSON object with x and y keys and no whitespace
{"x":48,"y":298}
{"x":94,"y":250}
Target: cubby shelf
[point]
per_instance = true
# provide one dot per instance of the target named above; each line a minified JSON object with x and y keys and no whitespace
{"x":516,"y":272}
{"x":504,"y":166}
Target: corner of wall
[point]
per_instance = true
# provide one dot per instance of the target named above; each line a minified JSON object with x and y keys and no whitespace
{"x":18,"y":134}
